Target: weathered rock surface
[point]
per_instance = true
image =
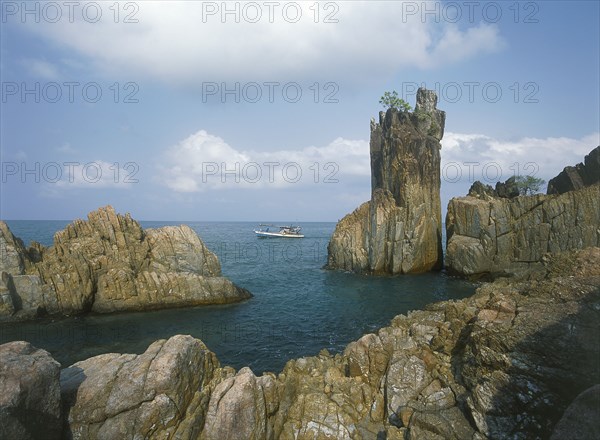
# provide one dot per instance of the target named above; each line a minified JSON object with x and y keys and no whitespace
{"x":157,"y":394}
{"x":506,"y":190}
{"x":490,"y":236}
{"x":399,"y":230}
{"x":30,"y":405}
{"x":508,"y":237}
{"x":581,"y":175}
{"x":506,"y":363}
{"x":109,"y":263}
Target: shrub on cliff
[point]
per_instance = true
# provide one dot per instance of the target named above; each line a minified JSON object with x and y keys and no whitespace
{"x":392,"y":100}
{"x":529,"y":185}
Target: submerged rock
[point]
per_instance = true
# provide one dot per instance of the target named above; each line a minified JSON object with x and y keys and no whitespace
{"x":509,"y":362}
{"x":109,"y":263}
{"x":400,"y":229}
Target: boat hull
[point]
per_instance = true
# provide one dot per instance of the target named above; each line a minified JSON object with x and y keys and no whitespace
{"x":262,"y":234}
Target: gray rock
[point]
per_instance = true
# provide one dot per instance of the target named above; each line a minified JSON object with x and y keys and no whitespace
{"x":13,"y":255}
{"x":581,"y":175}
{"x":509,"y":237}
{"x":152,"y":395}
{"x":508,"y":189}
{"x":399,"y":230}
{"x":109,"y":263}
{"x":30,"y":405}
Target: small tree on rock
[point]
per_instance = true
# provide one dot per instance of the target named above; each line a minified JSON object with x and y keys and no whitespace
{"x":529,"y":185}
{"x":392,"y":100}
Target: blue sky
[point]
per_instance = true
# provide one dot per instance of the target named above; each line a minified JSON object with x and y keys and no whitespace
{"x":518,"y":80}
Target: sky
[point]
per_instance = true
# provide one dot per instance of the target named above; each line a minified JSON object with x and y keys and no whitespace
{"x":260,"y":111}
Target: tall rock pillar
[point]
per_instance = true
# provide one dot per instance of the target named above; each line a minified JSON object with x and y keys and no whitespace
{"x":400,"y":229}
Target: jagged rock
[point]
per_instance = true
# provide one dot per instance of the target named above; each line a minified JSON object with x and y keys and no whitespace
{"x":508,"y":237}
{"x":109,"y":263}
{"x":30,"y":405}
{"x":581,"y":175}
{"x":504,"y":363}
{"x":157,"y":394}
{"x":399,"y":230}
{"x":508,"y":189}
{"x":481,"y":191}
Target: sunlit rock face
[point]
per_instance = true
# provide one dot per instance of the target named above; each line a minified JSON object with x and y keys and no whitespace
{"x":108,"y":263}
{"x":399,"y":230}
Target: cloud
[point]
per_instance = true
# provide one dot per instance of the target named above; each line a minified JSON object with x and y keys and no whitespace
{"x":41,"y":69}
{"x":203,"y":161}
{"x":470,"y":157}
{"x":66,"y":148}
{"x":186,"y":43}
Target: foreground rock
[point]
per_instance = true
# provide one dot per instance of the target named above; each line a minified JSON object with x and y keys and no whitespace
{"x":513,"y":361}
{"x":30,"y":405}
{"x":109,"y":263}
{"x":400,"y":229}
{"x":159,"y":394}
{"x":489,"y":236}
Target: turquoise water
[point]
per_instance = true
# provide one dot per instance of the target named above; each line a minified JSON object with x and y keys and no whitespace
{"x":298,"y":308}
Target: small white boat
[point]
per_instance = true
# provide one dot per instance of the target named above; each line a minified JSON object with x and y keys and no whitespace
{"x":264,"y":231}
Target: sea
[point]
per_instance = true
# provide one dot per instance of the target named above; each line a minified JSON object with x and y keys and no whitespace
{"x":297,"y":310}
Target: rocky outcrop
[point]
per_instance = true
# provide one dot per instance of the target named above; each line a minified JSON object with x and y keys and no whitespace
{"x":159,"y":394}
{"x":508,"y":237}
{"x":509,"y":362}
{"x":399,"y":230}
{"x":490,"y":236}
{"x":581,"y":175}
{"x":507,"y":190}
{"x":30,"y":403}
{"x":109,"y":263}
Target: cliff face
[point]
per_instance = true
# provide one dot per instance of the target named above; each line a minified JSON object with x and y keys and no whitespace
{"x":399,"y":230}
{"x":109,"y":263}
{"x":497,"y":365}
{"x":493,"y":237}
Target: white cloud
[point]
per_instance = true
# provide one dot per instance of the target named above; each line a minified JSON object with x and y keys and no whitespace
{"x":203,"y":161}
{"x":175,"y":41}
{"x":66,"y":148}
{"x":480,"y":157}
{"x":41,"y":69}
